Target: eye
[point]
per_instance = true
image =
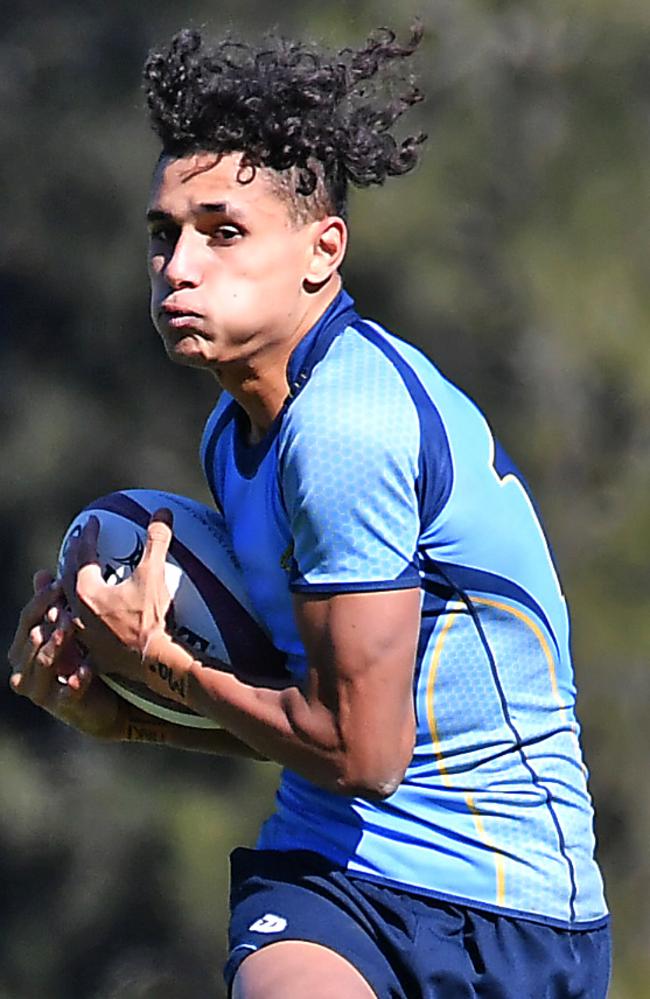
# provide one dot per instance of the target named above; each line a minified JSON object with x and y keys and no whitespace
{"x":226,"y":233}
{"x":164,"y":235}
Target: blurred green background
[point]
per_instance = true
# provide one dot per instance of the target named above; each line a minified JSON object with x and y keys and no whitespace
{"x":516,"y":255}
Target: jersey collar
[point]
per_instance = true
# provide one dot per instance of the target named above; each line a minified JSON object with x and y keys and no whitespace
{"x":315,"y":344}
{"x":304,"y":357}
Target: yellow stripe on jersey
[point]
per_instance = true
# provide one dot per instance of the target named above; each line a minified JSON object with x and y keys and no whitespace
{"x":499,"y":859}
{"x":431,"y":682}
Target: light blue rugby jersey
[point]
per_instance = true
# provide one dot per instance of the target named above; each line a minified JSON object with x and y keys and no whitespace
{"x":380,"y":474}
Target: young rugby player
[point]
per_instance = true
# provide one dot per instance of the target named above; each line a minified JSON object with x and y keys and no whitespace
{"x":433,"y":831}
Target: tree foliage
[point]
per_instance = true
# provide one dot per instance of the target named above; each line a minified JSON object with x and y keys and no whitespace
{"x":515,"y":256}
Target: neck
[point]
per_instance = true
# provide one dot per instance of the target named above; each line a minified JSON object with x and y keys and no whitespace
{"x":260,"y":386}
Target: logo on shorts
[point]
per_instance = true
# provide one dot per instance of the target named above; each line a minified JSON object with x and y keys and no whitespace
{"x":269,"y":923}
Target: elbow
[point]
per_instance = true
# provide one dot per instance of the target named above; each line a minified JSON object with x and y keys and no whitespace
{"x":369,"y":790}
{"x":375,"y":771}
{"x":374,"y":782}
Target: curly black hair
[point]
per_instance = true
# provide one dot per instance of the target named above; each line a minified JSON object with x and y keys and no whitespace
{"x":319,"y":120}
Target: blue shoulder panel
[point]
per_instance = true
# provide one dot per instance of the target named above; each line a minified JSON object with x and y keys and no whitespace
{"x":435,"y":476}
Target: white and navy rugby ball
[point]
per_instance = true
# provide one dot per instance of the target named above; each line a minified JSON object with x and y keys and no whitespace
{"x":211,"y":613}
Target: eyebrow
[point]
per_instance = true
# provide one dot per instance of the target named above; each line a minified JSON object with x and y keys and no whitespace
{"x":210,"y":207}
{"x":154,"y":215}
{"x":222,"y":208}
{"x":218,"y":207}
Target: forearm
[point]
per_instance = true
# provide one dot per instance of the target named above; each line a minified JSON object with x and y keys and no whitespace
{"x":137,"y":726}
{"x":283,"y":725}
{"x":259,"y":717}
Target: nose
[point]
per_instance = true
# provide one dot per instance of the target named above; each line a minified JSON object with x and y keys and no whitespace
{"x":183,"y":268}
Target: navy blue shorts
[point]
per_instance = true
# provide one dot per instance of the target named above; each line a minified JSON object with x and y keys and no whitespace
{"x":407,"y":946}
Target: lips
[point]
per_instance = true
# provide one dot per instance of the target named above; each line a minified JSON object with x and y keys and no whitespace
{"x":179,"y":317}
{"x":173,"y":311}
{"x":182,"y":321}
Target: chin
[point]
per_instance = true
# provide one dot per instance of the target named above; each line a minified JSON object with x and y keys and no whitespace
{"x":187,"y":354}
{"x":201,"y":352}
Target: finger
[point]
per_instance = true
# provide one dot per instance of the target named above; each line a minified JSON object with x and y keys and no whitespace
{"x":24,"y":660}
{"x":26,"y":678}
{"x":79,"y":681}
{"x":31,"y":615}
{"x":82,"y":572}
{"x":59,"y":615}
{"x":42,"y":579}
{"x":80,"y":550}
{"x":23,"y":650}
{"x":65,"y":621}
{"x":36,"y":609}
{"x":88,"y":540}
{"x":159,"y":537}
{"x":32,"y":667}
{"x":51,"y":652}
{"x":69,"y":571}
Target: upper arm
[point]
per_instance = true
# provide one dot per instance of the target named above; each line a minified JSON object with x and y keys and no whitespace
{"x":352,"y":463}
{"x":349,"y":480}
{"x":361,"y":651}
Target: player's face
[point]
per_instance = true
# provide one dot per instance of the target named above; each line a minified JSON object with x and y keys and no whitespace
{"x":227,"y":263}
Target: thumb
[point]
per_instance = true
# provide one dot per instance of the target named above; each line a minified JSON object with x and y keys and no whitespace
{"x":82,"y":574}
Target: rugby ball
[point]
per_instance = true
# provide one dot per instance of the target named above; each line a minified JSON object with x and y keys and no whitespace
{"x":211,"y":612}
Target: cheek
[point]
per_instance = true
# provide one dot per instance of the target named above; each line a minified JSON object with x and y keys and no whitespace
{"x":282,"y":273}
{"x":155,"y":266}
{"x":270,"y":293}
{"x":255,"y":282}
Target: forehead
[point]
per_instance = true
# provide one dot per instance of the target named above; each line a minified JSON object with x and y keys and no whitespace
{"x":183,"y":184}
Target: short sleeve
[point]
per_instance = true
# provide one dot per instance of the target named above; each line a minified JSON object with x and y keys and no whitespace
{"x":349,"y":468}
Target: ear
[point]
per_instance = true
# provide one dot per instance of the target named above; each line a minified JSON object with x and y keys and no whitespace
{"x":328,"y":246}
